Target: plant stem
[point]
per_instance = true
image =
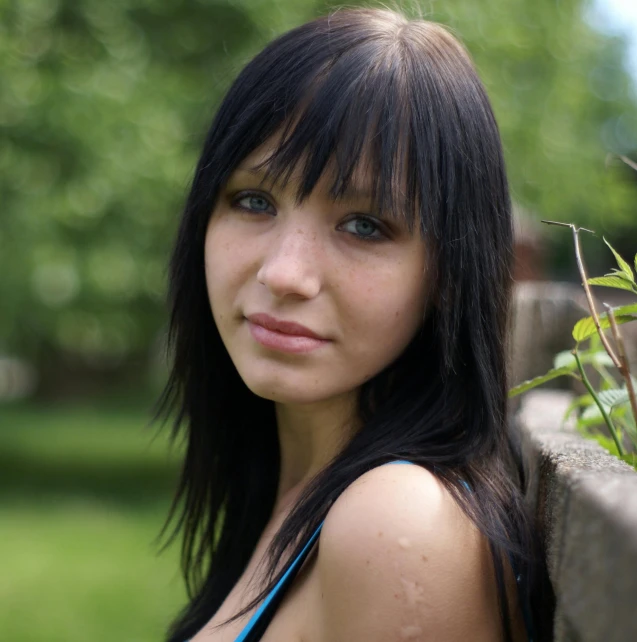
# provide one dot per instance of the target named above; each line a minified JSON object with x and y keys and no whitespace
{"x":624,"y":370}
{"x":593,"y":394}
{"x":587,"y":288}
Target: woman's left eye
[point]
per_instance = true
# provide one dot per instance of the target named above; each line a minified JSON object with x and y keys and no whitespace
{"x":365,"y":228}
{"x":253,"y":202}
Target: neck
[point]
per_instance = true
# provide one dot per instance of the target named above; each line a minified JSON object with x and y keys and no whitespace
{"x":310,"y":436}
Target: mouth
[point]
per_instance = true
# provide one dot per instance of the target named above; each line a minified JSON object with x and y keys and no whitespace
{"x":284,"y":336}
{"x":284,"y":327}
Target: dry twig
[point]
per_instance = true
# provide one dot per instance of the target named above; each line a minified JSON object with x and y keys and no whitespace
{"x":587,"y":288}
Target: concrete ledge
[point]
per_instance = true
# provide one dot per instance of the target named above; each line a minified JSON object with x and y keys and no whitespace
{"x":586,"y":503}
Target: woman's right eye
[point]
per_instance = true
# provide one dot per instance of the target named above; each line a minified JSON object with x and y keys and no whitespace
{"x":252,"y":202}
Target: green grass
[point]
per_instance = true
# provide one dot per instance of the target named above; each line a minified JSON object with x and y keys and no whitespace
{"x":83,"y":495}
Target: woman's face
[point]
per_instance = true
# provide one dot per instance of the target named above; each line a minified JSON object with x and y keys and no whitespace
{"x":356,"y":283}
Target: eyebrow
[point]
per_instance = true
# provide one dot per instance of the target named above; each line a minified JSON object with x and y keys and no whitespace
{"x":352,"y":193}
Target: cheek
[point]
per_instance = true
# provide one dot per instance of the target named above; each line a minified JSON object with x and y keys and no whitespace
{"x":393,"y":297}
{"x":385,"y":316}
{"x":400,"y":314}
{"x":221,"y":269}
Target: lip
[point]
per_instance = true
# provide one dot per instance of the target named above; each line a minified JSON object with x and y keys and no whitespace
{"x":285,"y":336}
{"x":285,"y":327}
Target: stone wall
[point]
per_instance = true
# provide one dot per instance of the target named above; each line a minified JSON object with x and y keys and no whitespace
{"x":586,"y":503}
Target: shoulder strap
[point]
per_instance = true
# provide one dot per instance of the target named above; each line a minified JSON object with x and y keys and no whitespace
{"x":259,"y":621}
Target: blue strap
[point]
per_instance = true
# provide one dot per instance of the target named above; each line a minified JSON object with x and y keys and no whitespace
{"x":291,"y":569}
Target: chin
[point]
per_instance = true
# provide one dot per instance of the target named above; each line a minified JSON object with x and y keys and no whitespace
{"x":289,"y":388}
{"x":285,"y":394}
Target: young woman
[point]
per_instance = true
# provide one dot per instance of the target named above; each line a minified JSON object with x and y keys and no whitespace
{"x":340,"y":289}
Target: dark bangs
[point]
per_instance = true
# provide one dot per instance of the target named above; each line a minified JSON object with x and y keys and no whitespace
{"x":365,"y":109}
{"x":352,"y":123}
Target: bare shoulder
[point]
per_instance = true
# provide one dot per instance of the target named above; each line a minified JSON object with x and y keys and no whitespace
{"x":399,"y":560}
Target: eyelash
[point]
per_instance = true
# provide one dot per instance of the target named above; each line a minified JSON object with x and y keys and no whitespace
{"x":360,"y":217}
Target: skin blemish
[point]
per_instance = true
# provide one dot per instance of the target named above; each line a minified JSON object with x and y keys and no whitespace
{"x":410,"y":632}
{"x":414,"y":593}
{"x":423,"y":558}
{"x":404,"y":543}
{"x":380,"y":533}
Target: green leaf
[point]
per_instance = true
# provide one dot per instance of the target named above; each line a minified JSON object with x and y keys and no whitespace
{"x":585,"y":327}
{"x":538,"y":381}
{"x":595,"y":343}
{"x":622,"y":310}
{"x":613,"y":397}
{"x":566,"y":359}
{"x":625,"y":268}
{"x":635,"y":261}
{"x":612,"y":282}
{"x":614,"y":402}
{"x":600,"y":358}
{"x":592,"y":415}
{"x":620,"y":274}
{"x":578,"y":402}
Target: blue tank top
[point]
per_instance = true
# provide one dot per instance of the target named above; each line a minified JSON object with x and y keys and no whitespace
{"x":259,"y":620}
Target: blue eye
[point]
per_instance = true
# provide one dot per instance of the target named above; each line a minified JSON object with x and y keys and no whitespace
{"x":253,"y":202}
{"x":364,"y":228}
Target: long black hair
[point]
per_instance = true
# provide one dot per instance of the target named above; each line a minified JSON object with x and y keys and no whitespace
{"x":404,"y":94}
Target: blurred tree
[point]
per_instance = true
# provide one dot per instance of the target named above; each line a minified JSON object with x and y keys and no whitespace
{"x":104,"y":105}
{"x":102,"y":110}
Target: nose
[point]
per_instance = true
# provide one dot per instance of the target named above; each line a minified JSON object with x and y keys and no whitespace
{"x":291,"y":264}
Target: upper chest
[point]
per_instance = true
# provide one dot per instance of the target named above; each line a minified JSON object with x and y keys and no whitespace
{"x":296,"y":618}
